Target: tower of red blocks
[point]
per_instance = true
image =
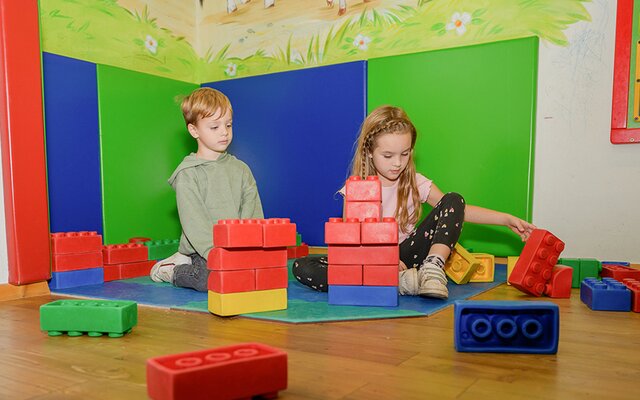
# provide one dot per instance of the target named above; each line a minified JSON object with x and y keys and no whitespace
{"x":535,"y":272}
{"x":248,"y":265}
{"x":76,"y":259}
{"x":363,"y":250}
{"x":127,"y":260}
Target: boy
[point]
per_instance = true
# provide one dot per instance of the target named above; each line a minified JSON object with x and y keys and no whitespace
{"x":210,"y":185}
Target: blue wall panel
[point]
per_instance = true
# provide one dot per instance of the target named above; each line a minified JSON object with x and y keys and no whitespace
{"x":73,"y":145}
{"x":296,"y":131}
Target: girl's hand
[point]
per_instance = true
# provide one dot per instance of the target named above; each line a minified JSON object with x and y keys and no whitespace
{"x":521,"y":227}
{"x":401,"y":266}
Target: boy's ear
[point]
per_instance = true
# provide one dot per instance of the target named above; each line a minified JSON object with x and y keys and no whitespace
{"x":193,"y":131}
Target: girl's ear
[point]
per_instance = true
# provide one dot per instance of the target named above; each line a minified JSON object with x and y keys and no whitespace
{"x":193,"y":131}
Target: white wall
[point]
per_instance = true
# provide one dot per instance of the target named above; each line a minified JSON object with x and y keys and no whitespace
{"x":586,"y":190}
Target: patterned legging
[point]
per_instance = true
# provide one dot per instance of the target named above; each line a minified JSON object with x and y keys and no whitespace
{"x":443,"y":225}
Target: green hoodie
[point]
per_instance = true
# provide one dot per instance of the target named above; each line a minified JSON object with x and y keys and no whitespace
{"x":210,"y":190}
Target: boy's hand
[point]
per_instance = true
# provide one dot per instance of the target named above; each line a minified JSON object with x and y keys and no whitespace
{"x":521,"y":227}
{"x":401,"y":266}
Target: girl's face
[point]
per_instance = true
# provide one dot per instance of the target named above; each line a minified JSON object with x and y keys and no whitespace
{"x":390,"y":156}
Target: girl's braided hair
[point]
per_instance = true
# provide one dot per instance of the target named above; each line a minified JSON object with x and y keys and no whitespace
{"x":381,"y":121}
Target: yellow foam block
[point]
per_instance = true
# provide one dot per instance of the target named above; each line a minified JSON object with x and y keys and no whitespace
{"x":511,"y":262}
{"x":461,"y":265}
{"x":247,"y":302}
{"x":486,"y":270}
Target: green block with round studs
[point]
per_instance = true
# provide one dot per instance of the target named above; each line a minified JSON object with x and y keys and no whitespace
{"x":93,"y":317}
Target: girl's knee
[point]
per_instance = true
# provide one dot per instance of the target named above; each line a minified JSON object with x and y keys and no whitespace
{"x":453,"y":198}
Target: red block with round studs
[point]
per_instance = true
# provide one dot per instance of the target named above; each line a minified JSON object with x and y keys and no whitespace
{"x":361,"y":210}
{"x":358,"y":189}
{"x":634,"y":287}
{"x":339,"y":231}
{"x":619,"y":272}
{"x":535,"y":265}
{"x":124,"y":253}
{"x":76,"y":261}
{"x":75,"y":242}
{"x":559,"y":285}
{"x":376,"y":231}
{"x":236,"y":233}
{"x":278,"y":232}
{"x":239,"y":371}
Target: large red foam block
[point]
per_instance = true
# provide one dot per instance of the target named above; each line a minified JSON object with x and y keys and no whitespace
{"x":559,"y":285}
{"x":619,"y":272}
{"x":535,"y":265}
{"x":124,"y":253}
{"x":339,"y":231}
{"x":358,"y":189}
{"x":298,"y":251}
{"x":77,"y":261}
{"x":344,"y":274}
{"x":235,"y":233}
{"x":361,"y":210}
{"x":349,"y":255}
{"x":278,"y":232}
{"x":243,"y":280}
{"x":375,"y":231}
{"x":272,"y":278}
{"x":231,"y":259}
{"x":22,"y":144}
{"x":380,"y":275}
{"x":231,"y":372}
{"x":75,"y":242}
{"x":127,"y":270}
{"x":634,"y":287}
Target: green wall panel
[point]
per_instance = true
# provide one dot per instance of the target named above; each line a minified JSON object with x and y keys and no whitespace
{"x":474,"y":108}
{"x":142,"y":139}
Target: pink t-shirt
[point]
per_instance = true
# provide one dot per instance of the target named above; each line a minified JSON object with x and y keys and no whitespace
{"x":390,"y":200}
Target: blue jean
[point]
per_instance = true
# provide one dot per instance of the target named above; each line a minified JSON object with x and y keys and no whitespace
{"x":192,"y":276}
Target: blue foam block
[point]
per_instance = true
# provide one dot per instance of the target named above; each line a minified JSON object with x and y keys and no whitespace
{"x":627,"y":263}
{"x":81,"y":277}
{"x":605,"y":295}
{"x":379,"y":296}
{"x":506,"y":326}
{"x":72,"y":143}
{"x":296,"y":131}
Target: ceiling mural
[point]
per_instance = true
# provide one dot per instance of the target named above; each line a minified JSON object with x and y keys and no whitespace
{"x":209,"y":40}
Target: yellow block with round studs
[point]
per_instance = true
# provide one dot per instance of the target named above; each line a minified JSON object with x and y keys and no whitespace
{"x":461,"y":265}
{"x":511,"y":262}
{"x":225,"y":304}
{"x":486,"y":269}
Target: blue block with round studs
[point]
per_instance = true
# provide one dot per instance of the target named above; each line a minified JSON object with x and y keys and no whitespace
{"x":506,"y":326}
{"x":605,"y":295}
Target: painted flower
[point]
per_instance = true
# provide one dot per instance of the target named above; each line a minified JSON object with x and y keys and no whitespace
{"x":151,"y":44}
{"x":459,"y":22}
{"x":231,"y":69}
{"x":361,"y":42}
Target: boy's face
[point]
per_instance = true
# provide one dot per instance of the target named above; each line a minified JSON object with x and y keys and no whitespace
{"x":213,"y":134}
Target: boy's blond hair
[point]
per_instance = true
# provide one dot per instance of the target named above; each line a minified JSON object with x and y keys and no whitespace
{"x":203,"y":103}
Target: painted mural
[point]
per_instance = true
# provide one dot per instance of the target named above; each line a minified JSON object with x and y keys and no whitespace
{"x":223,"y":39}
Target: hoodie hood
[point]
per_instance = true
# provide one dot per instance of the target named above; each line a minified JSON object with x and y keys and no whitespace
{"x":191,"y":161}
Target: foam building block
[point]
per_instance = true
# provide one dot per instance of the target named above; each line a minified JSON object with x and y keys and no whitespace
{"x":240,"y":371}
{"x":623,"y":263}
{"x":380,"y":275}
{"x":113,"y":272}
{"x":271,"y":278}
{"x":358,"y":189}
{"x":605,"y":295}
{"x":485,"y":271}
{"x":243,"y":280}
{"x":161,"y":249}
{"x":375,"y":231}
{"x":620,"y":272}
{"x":560,"y":284}
{"x":82,"y":277}
{"x":350,"y":255}
{"x":583,"y":268}
{"x":361,"y":210}
{"x":124,"y":253}
{"x":93,"y":317}
{"x":461,"y":265}
{"x":383,"y":296}
{"x":511,"y":262}
{"x":75,"y":242}
{"x":230,"y":259}
{"x":339,"y":231}
{"x":139,"y":239}
{"x":533,"y":268}
{"x":506,"y":327}
{"x":344,"y":274}
{"x":298,"y":239}
{"x":226,"y":304}
{"x":278,"y":232}
{"x":76,"y":261}
{"x":634,"y":286}
{"x":298,"y":251}
{"x":234,"y":233}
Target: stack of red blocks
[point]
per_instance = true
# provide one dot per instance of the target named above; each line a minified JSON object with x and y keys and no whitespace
{"x":363,"y":249}
{"x":249,"y":265}
{"x":124,"y":261}
{"x":536,"y":272}
{"x":76,"y":259}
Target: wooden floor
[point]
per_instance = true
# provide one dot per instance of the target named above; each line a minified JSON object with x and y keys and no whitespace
{"x":407,"y":358}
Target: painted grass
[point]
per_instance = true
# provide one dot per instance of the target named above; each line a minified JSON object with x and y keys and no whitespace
{"x":104,"y":32}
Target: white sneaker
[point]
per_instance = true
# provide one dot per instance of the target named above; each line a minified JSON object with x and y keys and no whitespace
{"x":433,"y":281}
{"x":162,"y":271}
{"x":408,"y":282}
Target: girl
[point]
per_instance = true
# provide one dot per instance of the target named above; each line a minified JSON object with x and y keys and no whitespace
{"x":385,"y":148}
